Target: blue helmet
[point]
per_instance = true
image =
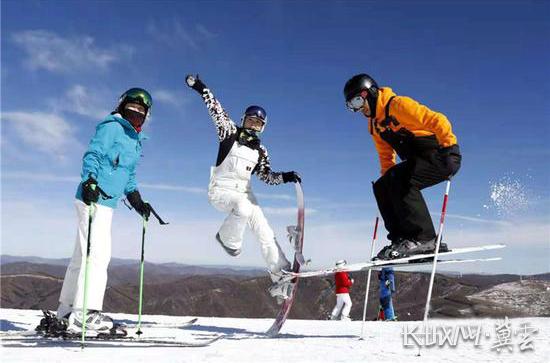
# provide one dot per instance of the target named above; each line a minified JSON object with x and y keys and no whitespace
{"x":255,"y":111}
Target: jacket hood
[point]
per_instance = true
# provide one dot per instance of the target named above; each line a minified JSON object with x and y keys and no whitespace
{"x":125,"y":123}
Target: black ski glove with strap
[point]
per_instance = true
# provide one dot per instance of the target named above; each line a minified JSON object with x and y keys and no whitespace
{"x":291,"y":177}
{"x":195,"y":83}
{"x":90,"y":191}
{"x":451,"y":158}
{"x":143,"y":208}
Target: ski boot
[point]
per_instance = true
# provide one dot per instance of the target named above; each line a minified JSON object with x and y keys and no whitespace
{"x":97,"y":324}
{"x":409,"y":247}
{"x":230,"y":251}
{"x":294,"y":236}
{"x":281,"y":288}
{"x":51,"y":326}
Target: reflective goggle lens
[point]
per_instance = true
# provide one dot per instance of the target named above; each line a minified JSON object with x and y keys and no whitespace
{"x":356,"y":103}
{"x":141,"y":97}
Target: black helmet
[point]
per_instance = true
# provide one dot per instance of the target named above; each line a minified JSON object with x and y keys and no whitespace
{"x":362,"y":82}
{"x":135,"y":95}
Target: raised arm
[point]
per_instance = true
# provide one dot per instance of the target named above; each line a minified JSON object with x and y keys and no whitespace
{"x":225,"y":127}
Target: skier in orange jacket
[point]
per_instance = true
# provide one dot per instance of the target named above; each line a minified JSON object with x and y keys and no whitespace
{"x":424,"y":141}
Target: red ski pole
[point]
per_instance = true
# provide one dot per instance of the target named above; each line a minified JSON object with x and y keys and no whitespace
{"x":438,"y":242}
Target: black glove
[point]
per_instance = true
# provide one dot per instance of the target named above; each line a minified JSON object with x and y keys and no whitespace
{"x":143,"y":208}
{"x":291,"y":177}
{"x":90,"y":191}
{"x":451,"y":158}
{"x":195,"y":83}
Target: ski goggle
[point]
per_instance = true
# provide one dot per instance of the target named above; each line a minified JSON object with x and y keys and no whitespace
{"x":356,"y":103}
{"x":138,"y":95}
{"x":254,"y":123}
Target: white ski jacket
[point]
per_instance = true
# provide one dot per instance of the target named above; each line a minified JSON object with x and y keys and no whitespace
{"x":240,"y":154}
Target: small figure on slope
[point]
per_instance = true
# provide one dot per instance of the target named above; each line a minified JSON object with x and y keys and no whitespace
{"x":240,"y":155}
{"x":424,"y":141}
{"x":387,"y":288}
{"x":343,"y":282}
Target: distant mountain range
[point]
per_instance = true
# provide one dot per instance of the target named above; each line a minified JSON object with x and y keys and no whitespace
{"x":167,"y":268}
{"x":221,"y":291}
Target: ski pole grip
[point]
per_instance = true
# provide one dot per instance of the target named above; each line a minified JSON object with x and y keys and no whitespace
{"x":103,"y":194}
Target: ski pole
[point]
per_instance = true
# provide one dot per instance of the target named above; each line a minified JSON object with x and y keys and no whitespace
{"x":86,"y":264}
{"x":142,"y":265}
{"x":91,"y":211}
{"x":161,"y":222}
{"x":140,"y":304}
{"x":368,"y":278}
{"x":438,"y":242}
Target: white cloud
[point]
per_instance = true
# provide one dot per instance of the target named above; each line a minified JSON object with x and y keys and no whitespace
{"x":46,"y":132}
{"x":286,"y":211}
{"x":168,"y":97}
{"x":55,"y":53}
{"x":277,"y":196}
{"x":169,"y":187}
{"x":202,"y":30}
{"x":25,"y":175}
{"x":474,"y":219}
{"x":175,"y":33}
{"x":82,"y":101}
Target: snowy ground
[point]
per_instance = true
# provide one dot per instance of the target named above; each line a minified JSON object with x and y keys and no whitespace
{"x":301,"y":340}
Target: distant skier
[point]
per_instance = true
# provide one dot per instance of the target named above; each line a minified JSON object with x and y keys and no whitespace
{"x":240,"y":155}
{"x":387,"y":288}
{"x":424,"y":141}
{"x":343,"y":282}
{"x":110,"y":164}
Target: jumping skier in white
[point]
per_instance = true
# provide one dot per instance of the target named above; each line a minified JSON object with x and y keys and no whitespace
{"x":240,"y":155}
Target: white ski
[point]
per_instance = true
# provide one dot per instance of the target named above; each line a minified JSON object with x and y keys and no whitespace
{"x":405,"y":261}
{"x":440,"y":262}
{"x":185,"y":324}
{"x":296,"y":236}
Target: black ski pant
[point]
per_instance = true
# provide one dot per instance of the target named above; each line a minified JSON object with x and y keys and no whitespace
{"x":400,"y":201}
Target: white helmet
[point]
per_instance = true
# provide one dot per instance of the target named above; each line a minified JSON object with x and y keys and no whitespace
{"x":341,"y":263}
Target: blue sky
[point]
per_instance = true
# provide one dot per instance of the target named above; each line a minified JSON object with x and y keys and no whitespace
{"x":483,"y":64}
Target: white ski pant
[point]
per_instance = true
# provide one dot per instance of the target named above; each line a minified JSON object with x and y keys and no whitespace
{"x":244,"y":210}
{"x":72,"y":293}
{"x":343,"y":304}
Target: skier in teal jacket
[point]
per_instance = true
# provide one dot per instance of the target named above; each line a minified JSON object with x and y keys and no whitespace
{"x":109,"y":164}
{"x":111,"y":159}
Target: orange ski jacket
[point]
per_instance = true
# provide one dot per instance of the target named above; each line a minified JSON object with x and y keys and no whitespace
{"x":410,"y":116}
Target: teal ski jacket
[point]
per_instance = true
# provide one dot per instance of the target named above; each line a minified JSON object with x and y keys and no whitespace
{"x":111,"y":159}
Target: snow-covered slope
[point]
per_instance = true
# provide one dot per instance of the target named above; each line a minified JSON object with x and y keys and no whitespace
{"x":529,"y":296}
{"x":300,"y":341}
